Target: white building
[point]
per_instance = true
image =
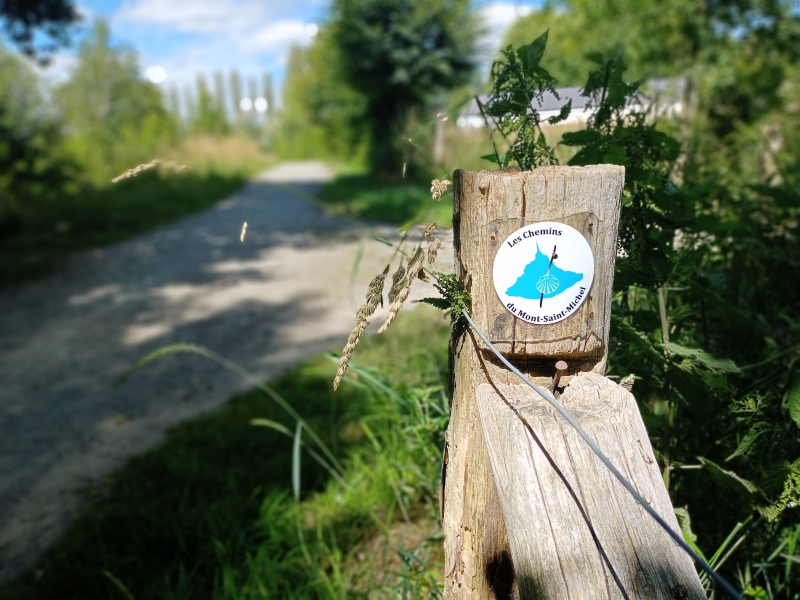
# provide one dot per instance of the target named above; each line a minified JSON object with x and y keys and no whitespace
{"x":661,"y":99}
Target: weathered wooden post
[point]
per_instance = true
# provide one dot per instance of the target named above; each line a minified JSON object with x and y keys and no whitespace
{"x":531,"y":513}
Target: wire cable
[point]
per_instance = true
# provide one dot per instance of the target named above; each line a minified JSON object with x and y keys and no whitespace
{"x":718,"y":579}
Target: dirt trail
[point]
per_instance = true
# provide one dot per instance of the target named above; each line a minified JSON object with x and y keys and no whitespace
{"x":268,"y":303}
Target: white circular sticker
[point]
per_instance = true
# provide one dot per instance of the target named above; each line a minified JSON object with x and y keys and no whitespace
{"x":543,"y":272}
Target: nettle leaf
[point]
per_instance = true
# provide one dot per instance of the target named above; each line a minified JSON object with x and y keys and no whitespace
{"x":749,"y":440}
{"x":616,"y":155}
{"x":774,"y":476}
{"x":639,"y":338}
{"x":703,"y":358}
{"x":531,"y":54}
{"x":562,"y":115}
{"x":581,"y":138}
{"x":733,"y":482}
{"x":793,"y":404}
{"x":439,"y":303}
{"x":685,"y":523}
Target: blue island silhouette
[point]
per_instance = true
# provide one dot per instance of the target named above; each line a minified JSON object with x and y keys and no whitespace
{"x":535,"y":281}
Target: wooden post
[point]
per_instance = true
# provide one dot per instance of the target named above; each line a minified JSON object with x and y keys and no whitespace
{"x":527,"y":510}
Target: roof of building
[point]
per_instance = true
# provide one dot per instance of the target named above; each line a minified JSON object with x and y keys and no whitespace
{"x":548,"y":102}
{"x":664,"y":88}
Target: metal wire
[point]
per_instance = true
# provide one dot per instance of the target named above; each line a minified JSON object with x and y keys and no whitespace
{"x":718,"y":579}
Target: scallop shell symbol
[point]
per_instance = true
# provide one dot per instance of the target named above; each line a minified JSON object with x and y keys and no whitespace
{"x":547,"y":284}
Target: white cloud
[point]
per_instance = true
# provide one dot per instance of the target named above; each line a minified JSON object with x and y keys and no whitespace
{"x":496,"y":19}
{"x":212,"y":16}
{"x":252,"y":26}
{"x":276,"y":37}
{"x":250,"y":35}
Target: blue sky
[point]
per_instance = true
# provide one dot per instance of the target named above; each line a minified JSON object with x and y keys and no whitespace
{"x":190,"y":36}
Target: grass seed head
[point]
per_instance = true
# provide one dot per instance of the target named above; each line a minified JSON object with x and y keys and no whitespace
{"x":347,"y":352}
{"x":429,"y":231}
{"x":438,"y":187}
{"x":153,"y":164}
{"x":433,"y":250}
{"x":374,"y":297}
{"x":414,"y":267}
{"x":398,"y":281}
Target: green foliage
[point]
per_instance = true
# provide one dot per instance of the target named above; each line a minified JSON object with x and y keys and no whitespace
{"x":567,"y":43}
{"x":518,"y":82}
{"x":455,"y":299}
{"x":399,"y":54}
{"x":360,"y":195}
{"x":708,"y":228}
{"x":209,"y":116}
{"x":50,"y":226}
{"x":57,"y":159}
{"x":321,"y":113}
{"x":28,"y":168}
{"x":113,"y":119}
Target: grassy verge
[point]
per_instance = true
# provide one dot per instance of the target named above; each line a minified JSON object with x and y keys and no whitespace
{"x":210,"y":512}
{"x":357,"y":194}
{"x":52,"y":226}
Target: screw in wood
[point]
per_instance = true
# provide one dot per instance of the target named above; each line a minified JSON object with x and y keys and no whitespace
{"x":493,"y":237}
{"x":591,"y":222}
{"x":561,"y":368}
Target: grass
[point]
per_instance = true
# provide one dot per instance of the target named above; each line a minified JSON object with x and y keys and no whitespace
{"x":50,"y":227}
{"x":355,"y":193}
{"x":210,"y":513}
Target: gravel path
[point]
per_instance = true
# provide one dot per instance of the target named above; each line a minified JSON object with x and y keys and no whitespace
{"x":267,"y":303}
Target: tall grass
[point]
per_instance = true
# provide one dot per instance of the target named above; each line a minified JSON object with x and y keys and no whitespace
{"x":228,"y":509}
{"x":54,"y":223}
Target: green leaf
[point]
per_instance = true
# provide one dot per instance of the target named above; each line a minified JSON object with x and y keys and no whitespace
{"x":733,"y":482}
{"x":439,"y":303}
{"x":581,"y":138}
{"x":562,"y":115}
{"x":531,"y":54}
{"x":685,"y":524}
{"x":793,"y":404}
{"x":383,"y":240}
{"x":747,"y":442}
{"x":774,"y":476}
{"x":640,"y":339}
{"x":703,"y":358}
{"x":616,"y":156}
{"x":495,"y":158}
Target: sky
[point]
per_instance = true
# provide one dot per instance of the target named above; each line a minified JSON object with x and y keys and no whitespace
{"x":186,"y":37}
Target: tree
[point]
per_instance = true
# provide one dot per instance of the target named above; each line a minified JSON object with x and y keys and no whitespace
{"x":23,"y":19}
{"x":113,"y":119}
{"x":210,"y":115}
{"x":27,"y":137}
{"x":321,"y":114}
{"x":399,"y":54}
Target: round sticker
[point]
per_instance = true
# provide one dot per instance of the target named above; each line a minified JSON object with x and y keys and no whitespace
{"x":543,"y":272}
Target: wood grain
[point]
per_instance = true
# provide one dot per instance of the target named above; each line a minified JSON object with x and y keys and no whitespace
{"x":480,"y":561}
{"x":574,"y":531}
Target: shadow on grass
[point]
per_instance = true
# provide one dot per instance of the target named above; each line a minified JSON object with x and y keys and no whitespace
{"x":50,"y":227}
